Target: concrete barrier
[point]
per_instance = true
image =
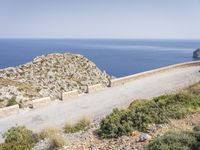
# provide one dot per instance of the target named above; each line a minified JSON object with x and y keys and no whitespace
{"x":70,"y":94}
{"x":7,"y":111}
{"x":96,"y":87}
{"x":40,"y":102}
{"x":119,"y":81}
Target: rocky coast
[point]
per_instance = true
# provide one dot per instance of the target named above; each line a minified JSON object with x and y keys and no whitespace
{"x":196,"y":54}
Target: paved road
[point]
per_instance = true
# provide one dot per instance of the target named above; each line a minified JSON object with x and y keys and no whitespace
{"x":101,"y":103}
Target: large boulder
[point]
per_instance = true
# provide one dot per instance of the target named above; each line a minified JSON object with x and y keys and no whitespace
{"x":196,"y":53}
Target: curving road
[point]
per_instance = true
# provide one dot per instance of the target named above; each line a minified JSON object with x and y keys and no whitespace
{"x":101,"y":103}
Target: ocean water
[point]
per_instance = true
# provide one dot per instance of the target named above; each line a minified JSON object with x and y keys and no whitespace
{"x":117,"y":57}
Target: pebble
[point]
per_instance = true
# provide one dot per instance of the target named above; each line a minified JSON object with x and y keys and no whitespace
{"x":143,"y":137}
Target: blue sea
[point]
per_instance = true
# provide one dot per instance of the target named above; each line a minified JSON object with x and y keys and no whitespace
{"x":118,"y":57}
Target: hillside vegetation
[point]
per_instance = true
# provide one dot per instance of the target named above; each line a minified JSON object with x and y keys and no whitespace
{"x":141,"y":113}
{"x":18,"y":138}
{"x":183,"y":140}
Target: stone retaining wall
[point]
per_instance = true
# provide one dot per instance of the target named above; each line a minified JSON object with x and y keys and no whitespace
{"x":70,"y":95}
{"x":94,"y":88}
{"x":7,"y":111}
{"x":40,"y":102}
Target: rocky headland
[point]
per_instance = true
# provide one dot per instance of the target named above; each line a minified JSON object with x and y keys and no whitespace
{"x":49,"y":75}
{"x":196,"y":53}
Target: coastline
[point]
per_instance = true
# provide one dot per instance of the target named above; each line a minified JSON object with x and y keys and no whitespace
{"x":118,"y":57}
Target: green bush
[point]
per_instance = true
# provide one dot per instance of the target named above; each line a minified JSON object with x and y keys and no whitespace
{"x":196,"y":128}
{"x":160,"y":109}
{"x":142,"y":113}
{"x":177,"y":141}
{"x":174,"y":141}
{"x":116,"y":124}
{"x":179,"y":105}
{"x":18,"y":138}
{"x":196,"y":146}
{"x":12,"y":101}
{"x":82,"y":124}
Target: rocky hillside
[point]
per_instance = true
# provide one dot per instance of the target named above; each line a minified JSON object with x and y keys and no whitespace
{"x":49,"y":76}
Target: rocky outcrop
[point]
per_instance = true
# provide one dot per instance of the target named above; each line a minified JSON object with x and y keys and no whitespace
{"x":196,"y":53}
{"x":49,"y":76}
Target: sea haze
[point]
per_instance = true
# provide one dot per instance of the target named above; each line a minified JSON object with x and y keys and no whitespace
{"x":117,"y":57}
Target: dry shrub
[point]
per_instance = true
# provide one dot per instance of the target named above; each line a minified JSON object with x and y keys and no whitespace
{"x":82,"y":124}
{"x":53,"y":134}
{"x":48,"y":132}
{"x":57,"y":141}
{"x":85,"y":121}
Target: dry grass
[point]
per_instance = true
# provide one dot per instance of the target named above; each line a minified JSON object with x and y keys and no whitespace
{"x":193,"y":89}
{"x":48,"y":132}
{"x":57,"y":141}
{"x":20,"y":86}
{"x":53,"y":134}
{"x":82,"y":124}
{"x":85,"y":120}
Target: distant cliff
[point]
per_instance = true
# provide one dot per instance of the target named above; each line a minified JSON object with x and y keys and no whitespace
{"x":196,"y":53}
{"x":49,"y":76}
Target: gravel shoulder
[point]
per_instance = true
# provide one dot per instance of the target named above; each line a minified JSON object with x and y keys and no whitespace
{"x":99,"y":104}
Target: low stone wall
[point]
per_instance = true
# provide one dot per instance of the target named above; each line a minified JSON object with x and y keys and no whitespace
{"x":7,"y":111}
{"x":94,"y":88}
{"x":40,"y":102}
{"x":119,"y":81}
{"x":70,"y":95}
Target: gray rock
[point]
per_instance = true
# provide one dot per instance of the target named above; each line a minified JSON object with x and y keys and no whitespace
{"x":196,"y":53}
{"x":143,"y":137}
{"x":43,"y":145}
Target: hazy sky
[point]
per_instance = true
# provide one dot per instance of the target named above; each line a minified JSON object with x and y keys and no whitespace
{"x":100,"y":19}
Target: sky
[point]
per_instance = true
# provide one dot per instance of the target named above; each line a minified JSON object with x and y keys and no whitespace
{"x":137,"y":19}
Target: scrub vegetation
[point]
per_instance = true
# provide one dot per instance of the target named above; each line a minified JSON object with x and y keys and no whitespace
{"x":19,"y":138}
{"x":183,"y":140}
{"x":158,"y":110}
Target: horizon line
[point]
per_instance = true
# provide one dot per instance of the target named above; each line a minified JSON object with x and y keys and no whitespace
{"x":92,"y":38}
